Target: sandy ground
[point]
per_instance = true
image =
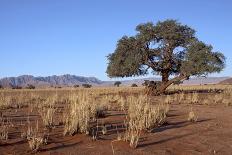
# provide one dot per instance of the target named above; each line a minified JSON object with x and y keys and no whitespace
{"x":211,"y":134}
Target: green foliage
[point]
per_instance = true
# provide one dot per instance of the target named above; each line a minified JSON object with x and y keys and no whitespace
{"x":117,"y":83}
{"x":167,"y":48}
{"x":200,"y":60}
{"x":125,"y":61}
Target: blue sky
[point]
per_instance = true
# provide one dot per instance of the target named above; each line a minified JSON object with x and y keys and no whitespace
{"x":47,"y":37}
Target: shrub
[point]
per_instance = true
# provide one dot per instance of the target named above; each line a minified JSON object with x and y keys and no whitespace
{"x":16,"y":87}
{"x":195,"y":98}
{"x":143,"y":116}
{"x":85,"y":85}
{"x":80,"y":115}
{"x":145,"y":83}
{"x":134,"y":85}
{"x":192,"y":116}
{"x":47,"y":111}
{"x":36,"y":142}
{"x":218,"y":98}
{"x":76,"y":86}
{"x":35,"y":139}
{"x":168,"y":99}
{"x":30,"y":86}
{"x":117,"y":83}
{"x":3,"y":129}
{"x":100,"y":110}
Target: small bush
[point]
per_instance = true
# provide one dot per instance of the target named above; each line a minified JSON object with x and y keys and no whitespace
{"x":85,"y":85}
{"x":47,"y":115}
{"x":30,"y":86}
{"x":3,"y":129}
{"x":16,"y":87}
{"x":145,"y":83}
{"x":117,"y":83}
{"x":195,"y":98}
{"x":81,"y":114}
{"x":192,"y":116}
{"x":134,"y":85}
{"x":218,"y":98}
{"x":35,"y":139}
{"x":101,"y":111}
{"x":142,"y":115}
{"x":168,"y":99}
{"x":76,"y":86}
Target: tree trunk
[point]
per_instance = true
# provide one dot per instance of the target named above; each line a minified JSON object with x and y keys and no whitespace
{"x":165,"y":76}
{"x":164,"y":85}
{"x":161,"y":89}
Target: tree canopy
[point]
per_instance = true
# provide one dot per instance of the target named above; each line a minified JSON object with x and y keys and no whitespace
{"x":169,"y":49}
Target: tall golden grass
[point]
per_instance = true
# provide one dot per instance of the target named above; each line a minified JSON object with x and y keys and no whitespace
{"x":80,"y":109}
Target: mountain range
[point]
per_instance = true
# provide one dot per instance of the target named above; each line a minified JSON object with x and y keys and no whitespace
{"x":62,"y":80}
{"x":71,"y":80}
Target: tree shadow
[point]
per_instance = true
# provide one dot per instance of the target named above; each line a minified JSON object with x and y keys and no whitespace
{"x":200,"y":91}
{"x":172,"y":115}
{"x":117,"y":114}
{"x":59,"y":146}
{"x":21,"y":141}
{"x":176,"y":125}
{"x":111,"y":129}
{"x":165,"y":140}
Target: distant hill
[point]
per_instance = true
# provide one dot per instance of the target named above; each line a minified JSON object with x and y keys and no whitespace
{"x":202,"y":80}
{"x":227,"y":81}
{"x":191,"y":81}
{"x":63,"y":80}
{"x":71,"y":80}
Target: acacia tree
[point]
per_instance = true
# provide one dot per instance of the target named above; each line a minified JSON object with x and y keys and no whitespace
{"x":169,"y":49}
{"x":117,"y":83}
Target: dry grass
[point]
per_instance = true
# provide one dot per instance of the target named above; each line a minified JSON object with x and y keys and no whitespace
{"x":142,"y":115}
{"x":80,"y":114}
{"x":35,"y":139}
{"x":3,"y":129}
{"x":208,"y":97}
{"x":192,"y":117}
{"x":47,"y":111}
{"x":81,"y":109}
